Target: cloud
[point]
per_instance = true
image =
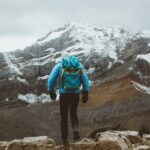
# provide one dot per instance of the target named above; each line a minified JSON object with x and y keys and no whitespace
{"x":34,"y":18}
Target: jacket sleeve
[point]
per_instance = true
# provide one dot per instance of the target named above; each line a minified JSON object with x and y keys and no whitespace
{"x":85,"y":81}
{"x":53,"y":77}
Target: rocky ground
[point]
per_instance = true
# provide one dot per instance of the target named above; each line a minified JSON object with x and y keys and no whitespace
{"x":109,"y":140}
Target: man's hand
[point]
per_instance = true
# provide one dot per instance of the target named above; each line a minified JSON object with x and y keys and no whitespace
{"x":84,"y":96}
{"x":52,"y":95}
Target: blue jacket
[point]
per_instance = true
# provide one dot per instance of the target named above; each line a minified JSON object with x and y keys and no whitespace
{"x":55,"y":73}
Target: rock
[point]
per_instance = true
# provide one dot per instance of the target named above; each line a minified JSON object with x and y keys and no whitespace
{"x":112,"y":140}
{"x":109,"y":140}
{"x":84,"y":144}
{"x":15,"y":145}
{"x":142,"y":147}
{"x":38,"y":143}
{"x":3,"y":145}
{"x":32,"y":143}
{"x":146,"y":139}
{"x":109,"y":145}
{"x":134,"y":139}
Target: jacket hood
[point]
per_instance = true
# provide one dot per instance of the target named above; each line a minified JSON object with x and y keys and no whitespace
{"x":70,"y":63}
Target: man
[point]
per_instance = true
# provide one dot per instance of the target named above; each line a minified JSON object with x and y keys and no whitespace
{"x":72,"y":75}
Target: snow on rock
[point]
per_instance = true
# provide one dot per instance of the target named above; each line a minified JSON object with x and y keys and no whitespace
{"x":101,"y":41}
{"x":41,"y":61}
{"x":8,"y":58}
{"x":87,"y":39}
{"x":144,"y":57}
{"x":141,"y":87}
{"x":35,"y":139}
{"x":32,"y":98}
{"x":125,"y":133}
{"x":141,"y":147}
{"x":43,"y":77}
{"x":22,"y":80}
{"x":52,"y":35}
{"x":11,"y":78}
{"x":143,"y":34}
{"x":109,"y":65}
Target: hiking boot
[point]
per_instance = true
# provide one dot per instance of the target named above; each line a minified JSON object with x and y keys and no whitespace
{"x":76,"y":135}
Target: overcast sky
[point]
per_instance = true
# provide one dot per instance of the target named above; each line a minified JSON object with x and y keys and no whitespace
{"x":22,"y":22}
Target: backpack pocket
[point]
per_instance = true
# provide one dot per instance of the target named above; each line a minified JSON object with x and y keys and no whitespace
{"x":71,"y":80}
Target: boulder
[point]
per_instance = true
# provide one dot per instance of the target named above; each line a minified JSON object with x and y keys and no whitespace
{"x":112,"y":140}
{"x":38,"y":143}
{"x":84,"y":144}
{"x":141,"y":147}
{"x":3,"y":145}
{"x":15,"y":145}
{"x":32,"y":143}
{"x":146,"y":139}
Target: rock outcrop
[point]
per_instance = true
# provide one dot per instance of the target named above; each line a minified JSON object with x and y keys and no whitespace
{"x":109,"y":140}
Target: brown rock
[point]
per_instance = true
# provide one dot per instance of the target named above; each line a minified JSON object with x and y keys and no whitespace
{"x":134,"y":139}
{"x":3,"y":145}
{"x":108,"y":145}
{"x":112,"y":140}
{"x":146,"y":139}
{"x":38,"y":143}
{"x":15,"y":145}
{"x":84,"y":144}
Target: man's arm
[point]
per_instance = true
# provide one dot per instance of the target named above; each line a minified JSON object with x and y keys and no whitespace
{"x":53,"y":77}
{"x":85,"y":85}
{"x":84,"y":79}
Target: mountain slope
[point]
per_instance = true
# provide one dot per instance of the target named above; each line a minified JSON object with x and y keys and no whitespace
{"x":102,"y":49}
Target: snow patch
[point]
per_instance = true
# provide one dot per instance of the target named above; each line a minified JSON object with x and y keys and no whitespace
{"x":141,"y":87}
{"x":8,"y":58}
{"x":43,"y":77}
{"x":130,"y":68}
{"x":32,"y":98}
{"x":41,"y":61}
{"x":143,"y":34}
{"x":126,"y":133}
{"x":53,"y":35}
{"x":11,"y":78}
{"x":109,"y":65}
{"x":144,"y":57}
{"x":34,"y":139}
{"x":6,"y":99}
{"x":91,"y":70}
{"x":22,"y":80}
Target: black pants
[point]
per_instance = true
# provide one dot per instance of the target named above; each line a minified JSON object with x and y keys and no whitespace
{"x":68,"y":102}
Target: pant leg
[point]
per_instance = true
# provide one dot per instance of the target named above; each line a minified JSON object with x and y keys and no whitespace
{"x":64,"y":107}
{"x":74,"y":102}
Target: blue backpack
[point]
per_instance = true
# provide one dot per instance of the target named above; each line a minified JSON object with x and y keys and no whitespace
{"x":71,"y":73}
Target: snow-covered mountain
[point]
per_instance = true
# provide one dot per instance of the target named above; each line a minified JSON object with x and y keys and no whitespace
{"x":103,"y":49}
{"x":86,"y":39}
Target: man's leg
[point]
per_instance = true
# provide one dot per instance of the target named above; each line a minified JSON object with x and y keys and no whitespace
{"x":74,"y":102}
{"x":64,"y":106}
